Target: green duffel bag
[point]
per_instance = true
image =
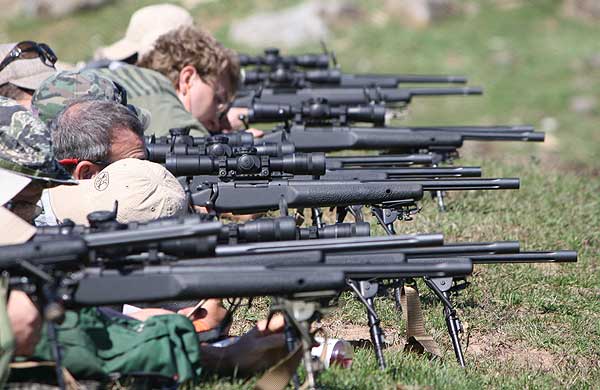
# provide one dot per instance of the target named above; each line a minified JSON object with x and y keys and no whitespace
{"x":96,"y":343}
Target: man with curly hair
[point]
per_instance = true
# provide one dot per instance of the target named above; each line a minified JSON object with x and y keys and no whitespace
{"x":186,"y":81}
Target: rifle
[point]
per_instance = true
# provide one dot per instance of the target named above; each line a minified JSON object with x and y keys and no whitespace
{"x":287,"y":78}
{"x":261,"y":230}
{"x":110,"y":282}
{"x":250,"y":197}
{"x":330,"y":139}
{"x":247,"y":163}
{"x":443,"y":287}
{"x":346,"y":96}
{"x":254,"y":196}
{"x":405,"y":139}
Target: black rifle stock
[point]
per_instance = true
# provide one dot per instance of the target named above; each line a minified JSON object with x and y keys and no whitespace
{"x":253,"y":197}
{"x":329,"y":139}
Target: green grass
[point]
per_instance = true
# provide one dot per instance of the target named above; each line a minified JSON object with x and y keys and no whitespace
{"x":527,"y":326}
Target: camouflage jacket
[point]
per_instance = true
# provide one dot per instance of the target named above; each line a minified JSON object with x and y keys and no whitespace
{"x":154,"y":92}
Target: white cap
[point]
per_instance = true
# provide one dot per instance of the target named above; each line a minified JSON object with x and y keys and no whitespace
{"x":145,"y":27}
{"x":144,"y":190}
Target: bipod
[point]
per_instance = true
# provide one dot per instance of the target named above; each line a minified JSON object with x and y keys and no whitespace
{"x":53,"y":312}
{"x":442,"y":287}
{"x":300,"y":311}
{"x":366,"y":292}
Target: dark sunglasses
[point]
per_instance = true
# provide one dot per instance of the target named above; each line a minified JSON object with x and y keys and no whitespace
{"x":27,"y":50}
{"x":122,"y":98}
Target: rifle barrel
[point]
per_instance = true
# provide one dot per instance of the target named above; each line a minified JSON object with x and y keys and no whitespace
{"x":386,"y":161}
{"x":468,"y":184}
{"x":333,"y":245}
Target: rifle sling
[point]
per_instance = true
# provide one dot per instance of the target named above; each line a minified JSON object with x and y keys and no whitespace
{"x":278,"y":377}
{"x":417,"y":339}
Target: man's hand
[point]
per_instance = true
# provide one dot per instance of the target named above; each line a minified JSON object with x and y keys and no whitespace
{"x":25,"y":321}
{"x":255,"y":132}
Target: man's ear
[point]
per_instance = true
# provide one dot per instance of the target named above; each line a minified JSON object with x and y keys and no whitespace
{"x":186,"y":75}
{"x":86,"y":170}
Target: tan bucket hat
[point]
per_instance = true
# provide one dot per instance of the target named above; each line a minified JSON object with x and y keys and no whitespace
{"x":145,"y":191}
{"x":145,"y":27}
{"x":24,"y":73}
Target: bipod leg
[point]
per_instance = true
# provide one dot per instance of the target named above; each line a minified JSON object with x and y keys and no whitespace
{"x":439,"y":195}
{"x":441,"y":287}
{"x":290,"y":342}
{"x":299,"y":313}
{"x":356,"y":211}
{"x":365,"y":292}
{"x":317,"y":217}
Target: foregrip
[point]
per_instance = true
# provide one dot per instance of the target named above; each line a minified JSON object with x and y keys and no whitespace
{"x":331,"y":139}
{"x":264,"y":196}
{"x":182,"y":283}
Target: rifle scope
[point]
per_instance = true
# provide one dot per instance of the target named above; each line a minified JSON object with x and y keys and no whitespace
{"x":315,"y":111}
{"x":334,"y":77}
{"x":216,"y":146}
{"x":272,"y":58}
{"x":246,"y":163}
{"x":285,"y":229}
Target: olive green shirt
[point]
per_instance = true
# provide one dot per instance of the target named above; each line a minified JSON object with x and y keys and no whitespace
{"x":154,"y":92}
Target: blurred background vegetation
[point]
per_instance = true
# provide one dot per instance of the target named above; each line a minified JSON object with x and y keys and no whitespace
{"x":529,"y":326}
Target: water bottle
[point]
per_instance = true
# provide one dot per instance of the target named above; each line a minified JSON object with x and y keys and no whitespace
{"x":339,"y":352}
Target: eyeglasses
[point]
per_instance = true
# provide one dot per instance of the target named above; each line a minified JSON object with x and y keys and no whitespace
{"x":72,"y":162}
{"x":28,"y":50}
{"x":121,"y":94}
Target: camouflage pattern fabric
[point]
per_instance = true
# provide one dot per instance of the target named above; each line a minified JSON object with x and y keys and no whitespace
{"x":26,"y":147}
{"x":56,"y":92}
{"x":154,"y":92}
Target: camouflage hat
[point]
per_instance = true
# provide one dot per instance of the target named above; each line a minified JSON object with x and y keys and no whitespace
{"x":26,"y":147}
{"x":56,"y":92}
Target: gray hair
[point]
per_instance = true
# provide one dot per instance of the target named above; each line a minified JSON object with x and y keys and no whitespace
{"x":84,"y":129}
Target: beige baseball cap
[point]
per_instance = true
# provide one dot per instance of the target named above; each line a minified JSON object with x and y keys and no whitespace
{"x":14,"y":230}
{"x":145,"y":27}
{"x":145,"y":191}
{"x":12,"y":184}
{"x":23,"y":73}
